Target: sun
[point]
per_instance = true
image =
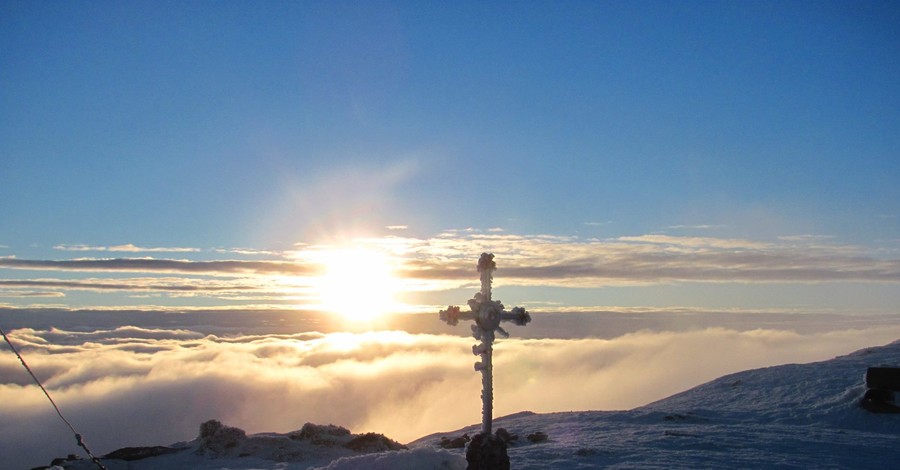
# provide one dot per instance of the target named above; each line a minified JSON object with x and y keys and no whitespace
{"x":357,"y":283}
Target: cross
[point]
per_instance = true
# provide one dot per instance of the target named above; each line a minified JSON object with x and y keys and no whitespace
{"x":487,"y":314}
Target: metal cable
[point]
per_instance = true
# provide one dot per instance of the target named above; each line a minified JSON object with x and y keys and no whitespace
{"x":78,"y":437}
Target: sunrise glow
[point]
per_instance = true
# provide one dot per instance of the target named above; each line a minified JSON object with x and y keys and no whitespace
{"x":357,"y":283}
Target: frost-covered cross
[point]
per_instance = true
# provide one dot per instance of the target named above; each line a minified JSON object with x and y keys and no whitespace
{"x":487,"y":314}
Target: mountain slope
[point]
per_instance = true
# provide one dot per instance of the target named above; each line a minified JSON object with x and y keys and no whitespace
{"x":796,"y":415}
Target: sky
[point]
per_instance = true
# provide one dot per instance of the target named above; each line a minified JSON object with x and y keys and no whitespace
{"x":721,"y":155}
{"x":195,"y":192}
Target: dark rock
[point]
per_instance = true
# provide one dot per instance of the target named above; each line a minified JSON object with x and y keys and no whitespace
{"x":372,"y":442}
{"x":538,"y":437}
{"x":327,"y":435}
{"x":455,"y":443}
{"x":878,"y":400}
{"x":217,"y":439}
{"x":137,"y":453}
{"x":879,"y":394}
{"x":487,"y":452}
{"x":209,"y":428}
{"x":508,"y":438}
{"x":62,"y":460}
{"x":887,"y":378}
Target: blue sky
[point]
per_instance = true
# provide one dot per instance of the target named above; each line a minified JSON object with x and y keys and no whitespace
{"x":710,"y":140}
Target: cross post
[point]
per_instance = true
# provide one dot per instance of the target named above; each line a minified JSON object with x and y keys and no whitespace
{"x":487,"y":315}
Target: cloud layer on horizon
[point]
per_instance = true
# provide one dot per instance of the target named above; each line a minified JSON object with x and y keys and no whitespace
{"x":565,"y":261}
{"x":132,"y":386}
{"x":446,"y":262}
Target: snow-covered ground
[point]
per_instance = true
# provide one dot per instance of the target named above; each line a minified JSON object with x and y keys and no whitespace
{"x":789,"y":416}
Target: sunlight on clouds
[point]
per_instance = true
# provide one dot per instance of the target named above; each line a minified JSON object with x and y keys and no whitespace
{"x":401,"y":384}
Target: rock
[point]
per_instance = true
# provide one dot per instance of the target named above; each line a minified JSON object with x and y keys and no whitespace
{"x":61,"y":460}
{"x":887,"y":378}
{"x":878,"y":400}
{"x":68,"y":458}
{"x":880,"y":395}
{"x":508,"y":438}
{"x":538,"y":437}
{"x":372,"y":442}
{"x":328,"y":435}
{"x":138,"y":453}
{"x":487,"y":452}
{"x":675,"y":417}
{"x":455,"y":443}
{"x":218,"y":439}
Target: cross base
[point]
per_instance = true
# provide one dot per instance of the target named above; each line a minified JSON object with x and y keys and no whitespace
{"x":487,"y":452}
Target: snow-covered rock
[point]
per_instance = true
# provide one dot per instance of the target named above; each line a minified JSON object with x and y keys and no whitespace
{"x":219,"y":446}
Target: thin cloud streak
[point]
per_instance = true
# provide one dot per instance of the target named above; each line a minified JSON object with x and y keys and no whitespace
{"x":128,"y":247}
{"x":225,"y":267}
{"x":176,"y":285}
{"x":29,"y":294}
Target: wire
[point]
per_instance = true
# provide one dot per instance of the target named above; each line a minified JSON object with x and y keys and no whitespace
{"x":78,"y":437}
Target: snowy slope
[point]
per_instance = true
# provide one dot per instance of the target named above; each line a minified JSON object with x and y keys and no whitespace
{"x":790,"y":416}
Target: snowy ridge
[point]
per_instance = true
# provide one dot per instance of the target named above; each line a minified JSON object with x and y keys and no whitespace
{"x":795,"y":415}
{"x":789,"y":416}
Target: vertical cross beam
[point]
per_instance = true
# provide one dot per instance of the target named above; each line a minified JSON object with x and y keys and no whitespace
{"x":487,"y":315}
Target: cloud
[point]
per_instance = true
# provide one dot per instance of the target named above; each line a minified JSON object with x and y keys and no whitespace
{"x":223,"y":267}
{"x":398,"y":383}
{"x":28,"y":294}
{"x":128,"y":247}
{"x":696,"y":227}
{"x":137,"y":284}
{"x":556,"y":261}
{"x":648,"y":259}
{"x":446,"y":262}
{"x":248,"y":251}
{"x":397,"y":227}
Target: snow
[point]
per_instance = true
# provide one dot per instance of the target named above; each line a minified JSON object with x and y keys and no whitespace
{"x":419,"y":458}
{"x":789,"y":416}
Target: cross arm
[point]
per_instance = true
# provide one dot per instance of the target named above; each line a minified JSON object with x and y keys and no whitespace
{"x":453,"y":315}
{"x":517,"y":315}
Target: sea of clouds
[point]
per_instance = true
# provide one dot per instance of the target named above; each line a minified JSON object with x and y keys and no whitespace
{"x":128,"y":385}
